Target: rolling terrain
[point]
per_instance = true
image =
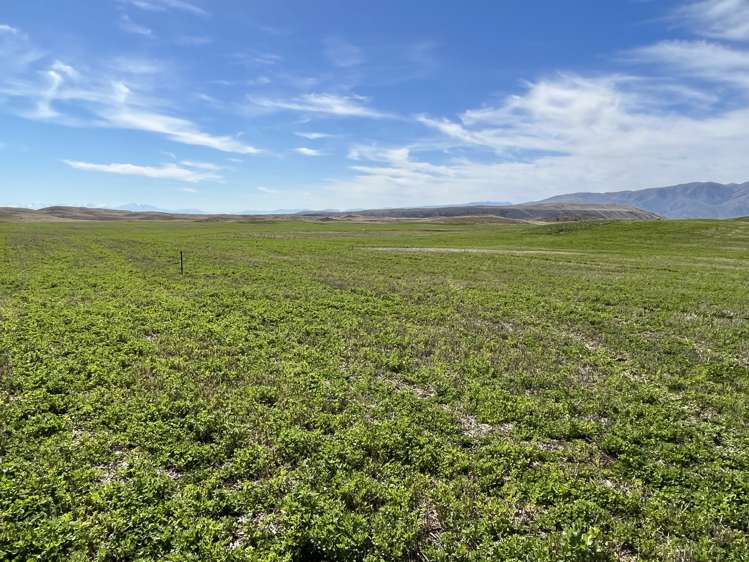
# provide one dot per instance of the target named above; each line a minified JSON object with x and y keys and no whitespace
{"x":528,"y":212}
{"x":691,"y":200}
{"x":374,"y":391}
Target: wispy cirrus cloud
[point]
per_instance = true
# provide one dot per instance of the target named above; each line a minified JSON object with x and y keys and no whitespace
{"x":304,"y":151}
{"x":665,"y":112}
{"x":4,"y":28}
{"x":166,"y":171}
{"x":327,"y":104}
{"x":255,"y":58}
{"x":565,"y":133}
{"x":17,"y":52}
{"x":128,"y":25}
{"x":700,"y":59}
{"x":313,"y":136}
{"x":175,"y":128}
{"x":553,"y":115}
{"x":201,"y":165}
{"x":260,"y":81}
{"x":679,"y":117}
{"x":111,"y":95}
{"x":267,"y":58}
{"x":166,"y":5}
{"x":717,"y":19}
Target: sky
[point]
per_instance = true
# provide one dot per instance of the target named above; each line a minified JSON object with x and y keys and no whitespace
{"x":242,"y":105}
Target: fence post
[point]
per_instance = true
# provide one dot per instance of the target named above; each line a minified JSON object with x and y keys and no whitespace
{"x":181,"y":264}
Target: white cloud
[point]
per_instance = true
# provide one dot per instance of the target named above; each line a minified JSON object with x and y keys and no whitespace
{"x":701,"y":59}
{"x":313,"y":136}
{"x":259,"y":81}
{"x":575,"y":133}
{"x":55,"y":77}
{"x":564,"y":134}
{"x":341,"y":53}
{"x":718,"y":19}
{"x":114,"y":95}
{"x":165,"y":5}
{"x":455,"y":130}
{"x":128,"y":25}
{"x":398,"y":163}
{"x":16,"y":51}
{"x":266,"y":189}
{"x":329,"y":104}
{"x":267,"y":58}
{"x":65,"y":69}
{"x":304,"y":151}
{"x":681,"y":120}
{"x":562,"y":115}
{"x":201,"y":165}
{"x":177,"y":129}
{"x":210,"y":100}
{"x":165,"y":171}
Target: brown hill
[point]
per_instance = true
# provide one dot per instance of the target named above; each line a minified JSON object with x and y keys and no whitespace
{"x":20,"y":214}
{"x":536,"y":212}
{"x":526,"y":212}
{"x":690,"y":200}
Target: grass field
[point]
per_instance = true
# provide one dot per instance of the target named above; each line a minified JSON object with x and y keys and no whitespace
{"x":340,"y":391}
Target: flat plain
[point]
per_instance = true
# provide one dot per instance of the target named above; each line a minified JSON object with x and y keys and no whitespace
{"x":403,"y":391}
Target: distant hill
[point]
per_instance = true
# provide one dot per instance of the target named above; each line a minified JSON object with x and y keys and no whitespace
{"x":514,"y":213}
{"x":484,"y":203}
{"x":272,"y":212}
{"x":22,"y":214}
{"x":93,"y":213}
{"x":524,"y":212}
{"x":690,"y":200}
{"x":139,"y":208}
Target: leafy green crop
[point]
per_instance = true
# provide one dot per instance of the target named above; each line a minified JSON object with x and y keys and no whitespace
{"x":403,"y":391}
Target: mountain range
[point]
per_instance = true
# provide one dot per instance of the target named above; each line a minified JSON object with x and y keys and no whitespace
{"x":541,"y":212}
{"x":689,"y":200}
{"x":533,"y":212}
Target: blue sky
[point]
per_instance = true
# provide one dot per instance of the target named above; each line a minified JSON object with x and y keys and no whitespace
{"x":229,"y":105}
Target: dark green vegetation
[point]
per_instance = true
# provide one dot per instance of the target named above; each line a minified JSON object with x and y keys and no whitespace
{"x":306,"y":392}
